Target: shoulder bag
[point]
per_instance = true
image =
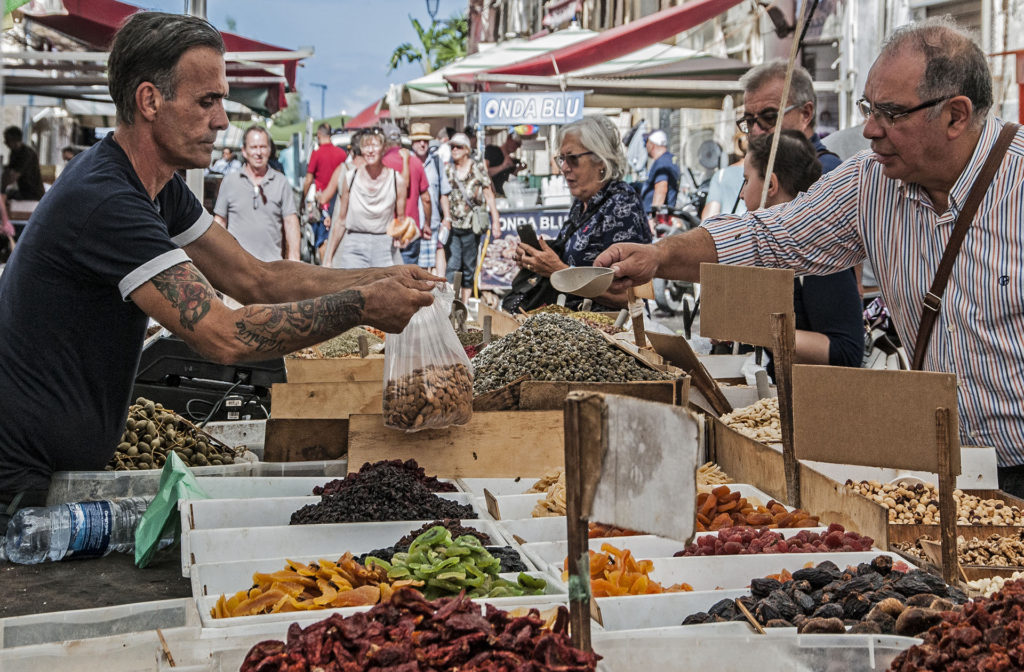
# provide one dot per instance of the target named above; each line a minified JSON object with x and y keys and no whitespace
{"x":530,"y":290}
{"x":933,"y":299}
{"x":481,"y":218}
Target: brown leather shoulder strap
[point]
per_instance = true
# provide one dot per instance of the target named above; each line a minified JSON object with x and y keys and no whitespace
{"x":933,"y":299}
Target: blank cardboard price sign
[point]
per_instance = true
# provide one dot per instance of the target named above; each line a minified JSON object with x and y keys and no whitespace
{"x":896,"y":419}
{"x":628,"y":463}
{"x":872,"y":418}
{"x":736,"y":302}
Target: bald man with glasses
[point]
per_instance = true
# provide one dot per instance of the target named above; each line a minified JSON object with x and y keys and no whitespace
{"x":762,"y":91}
{"x":927,"y":100}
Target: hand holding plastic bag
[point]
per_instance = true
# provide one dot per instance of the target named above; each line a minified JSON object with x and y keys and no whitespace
{"x":428,"y":380}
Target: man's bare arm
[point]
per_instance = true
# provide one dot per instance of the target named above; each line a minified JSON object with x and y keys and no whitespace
{"x":292,"y":236}
{"x":245,"y":278}
{"x":182,"y":299}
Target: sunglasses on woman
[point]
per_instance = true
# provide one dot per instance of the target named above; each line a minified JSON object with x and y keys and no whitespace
{"x":571,"y":160}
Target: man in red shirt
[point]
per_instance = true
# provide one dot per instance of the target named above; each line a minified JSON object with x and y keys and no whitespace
{"x":419,"y":189}
{"x":322,"y":162}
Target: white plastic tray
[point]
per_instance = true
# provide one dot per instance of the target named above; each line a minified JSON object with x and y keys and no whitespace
{"x":643,"y":547}
{"x":209,"y":514}
{"x":723,"y":649}
{"x":554,"y":593}
{"x":499,"y":487}
{"x":230,"y":577}
{"x":87,"y":486}
{"x":735,"y":571}
{"x":268,"y":486}
{"x":636,"y":612}
{"x":205,"y":514}
{"x":253,"y":543}
{"x":76,"y":624}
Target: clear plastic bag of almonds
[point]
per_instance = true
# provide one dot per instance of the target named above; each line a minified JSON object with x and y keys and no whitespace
{"x":428,"y":380}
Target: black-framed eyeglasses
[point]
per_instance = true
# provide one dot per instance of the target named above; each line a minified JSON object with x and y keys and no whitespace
{"x":765,"y":119}
{"x":893,"y":113}
{"x":257,"y":194}
{"x":572,"y":160}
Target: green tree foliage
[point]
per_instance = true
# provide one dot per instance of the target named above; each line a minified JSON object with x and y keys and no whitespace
{"x":443,"y":42}
{"x":294,"y":113}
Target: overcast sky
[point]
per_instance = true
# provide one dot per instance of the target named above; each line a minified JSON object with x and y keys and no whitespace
{"x":353,"y":40}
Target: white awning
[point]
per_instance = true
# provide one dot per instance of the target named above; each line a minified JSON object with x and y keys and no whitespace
{"x":433,"y":88}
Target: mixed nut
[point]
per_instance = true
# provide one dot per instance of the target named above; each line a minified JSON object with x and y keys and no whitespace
{"x":994,"y":551}
{"x":433,"y":396}
{"x":918,"y":503}
{"x":760,"y":421}
{"x":151,"y":431}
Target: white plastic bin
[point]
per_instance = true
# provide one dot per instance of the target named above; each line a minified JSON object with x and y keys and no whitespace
{"x":254,"y":543}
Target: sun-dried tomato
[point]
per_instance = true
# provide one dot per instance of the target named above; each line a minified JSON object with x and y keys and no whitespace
{"x":409,"y":633}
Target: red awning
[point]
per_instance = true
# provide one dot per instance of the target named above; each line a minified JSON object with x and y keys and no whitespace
{"x":614,"y":42}
{"x":96,"y":21}
{"x":371,"y":116}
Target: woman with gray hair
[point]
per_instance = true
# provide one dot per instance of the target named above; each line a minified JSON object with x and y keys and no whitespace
{"x":605,"y":210}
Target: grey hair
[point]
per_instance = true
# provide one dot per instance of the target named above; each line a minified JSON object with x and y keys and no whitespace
{"x":147,"y":48}
{"x":954,"y":63}
{"x":801,"y":88}
{"x":255,"y":128}
{"x":599,"y":135}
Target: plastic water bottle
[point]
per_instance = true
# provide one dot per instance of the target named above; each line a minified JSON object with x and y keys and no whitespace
{"x":74,"y":531}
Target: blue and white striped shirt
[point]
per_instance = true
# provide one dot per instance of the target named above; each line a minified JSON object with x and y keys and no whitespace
{"x":855,"y":213}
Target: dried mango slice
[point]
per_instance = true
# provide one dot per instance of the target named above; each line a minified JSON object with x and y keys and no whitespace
{"x":328,"y":593}
{"x":258,"y":605}
{"x":357,"y":597}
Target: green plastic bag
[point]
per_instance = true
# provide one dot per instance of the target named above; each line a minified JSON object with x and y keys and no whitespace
{"x":161,"y":519}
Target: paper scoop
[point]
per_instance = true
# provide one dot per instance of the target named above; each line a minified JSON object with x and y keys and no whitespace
{"x":586,"y":281}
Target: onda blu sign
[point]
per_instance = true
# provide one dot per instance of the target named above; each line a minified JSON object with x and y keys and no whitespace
{"x":554,"y":107}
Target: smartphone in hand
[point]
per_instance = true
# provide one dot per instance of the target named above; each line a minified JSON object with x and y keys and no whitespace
{"x":528,"y":235}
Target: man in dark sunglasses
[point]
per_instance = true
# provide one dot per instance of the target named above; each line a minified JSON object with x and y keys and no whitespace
{"x":762,"y":91}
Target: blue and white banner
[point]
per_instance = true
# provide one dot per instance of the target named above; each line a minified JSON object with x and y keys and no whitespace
{"x":552,"y":107}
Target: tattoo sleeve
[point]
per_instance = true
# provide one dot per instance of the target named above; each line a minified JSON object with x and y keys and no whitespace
{"x":268,"y":328}
{"x":190,"y":292}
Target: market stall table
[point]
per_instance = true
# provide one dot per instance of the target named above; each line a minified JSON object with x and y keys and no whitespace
{"x":85,"y":584}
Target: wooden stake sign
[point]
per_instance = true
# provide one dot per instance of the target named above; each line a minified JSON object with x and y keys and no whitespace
{"x":628,"y":463}
{"x":895,"y":419}
{"x":736,"y":302}
{"x":755,"y":306}
{"x":676,"y":350}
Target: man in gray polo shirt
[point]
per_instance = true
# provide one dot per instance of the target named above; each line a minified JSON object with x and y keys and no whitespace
{"x":256,"y":204}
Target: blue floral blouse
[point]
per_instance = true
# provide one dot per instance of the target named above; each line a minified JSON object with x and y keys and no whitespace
{"x":615,"y":214}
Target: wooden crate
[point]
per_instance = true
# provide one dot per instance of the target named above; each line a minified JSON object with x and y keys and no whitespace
{"x":299,"y":440}
{"x":748,"y":461}
{"x":499,"y":444}
{"x":326,"y":401}
{"x":339,"y":370}
{"x":541,"y":395}
{"x":911,"y":533}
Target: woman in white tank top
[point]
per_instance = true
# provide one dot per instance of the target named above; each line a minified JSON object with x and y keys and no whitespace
{"x":369,"y":199}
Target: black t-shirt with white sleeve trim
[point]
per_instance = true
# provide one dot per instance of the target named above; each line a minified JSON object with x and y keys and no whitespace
{"x":70,"y":337}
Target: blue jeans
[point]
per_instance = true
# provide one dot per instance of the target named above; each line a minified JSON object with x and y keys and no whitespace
{"x":411,"y":253}
{"x":462,"y":252}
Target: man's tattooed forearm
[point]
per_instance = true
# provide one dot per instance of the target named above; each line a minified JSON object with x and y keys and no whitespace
{"x":290,"y":326}
{"x":186,"y":288}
